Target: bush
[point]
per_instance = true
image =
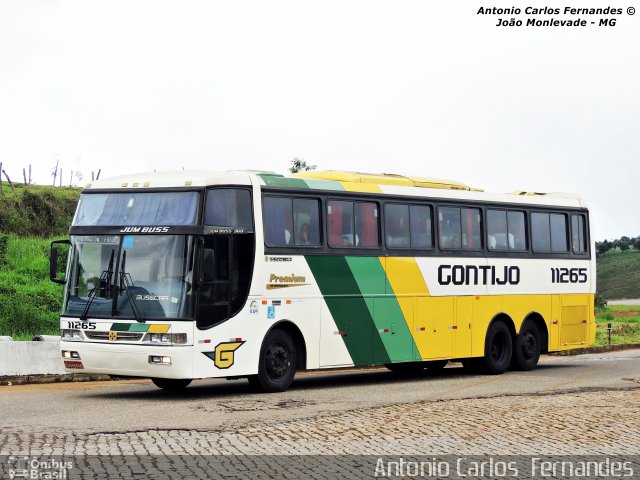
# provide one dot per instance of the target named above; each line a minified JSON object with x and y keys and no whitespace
{"x":599,"y":301}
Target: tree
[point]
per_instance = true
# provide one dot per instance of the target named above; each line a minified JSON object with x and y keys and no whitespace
{"x":603,"y":247}
{"x":624,"y":243}
{"x":636,"y":243}
{"x":299,"y":165}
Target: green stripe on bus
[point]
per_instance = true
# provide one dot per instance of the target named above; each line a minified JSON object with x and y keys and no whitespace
{"x":280,"y":181}
{"x":384,"y":308}
{"x":129,"y":327}
{"x":349,"y":309}
{"x":324,"y":184}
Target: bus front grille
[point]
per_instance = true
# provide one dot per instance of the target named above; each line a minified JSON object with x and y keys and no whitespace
{"x":119,"y":337}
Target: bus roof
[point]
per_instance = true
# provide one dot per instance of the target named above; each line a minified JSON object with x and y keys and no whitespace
{"x":173,"y":179}
{"x":333,"y":180}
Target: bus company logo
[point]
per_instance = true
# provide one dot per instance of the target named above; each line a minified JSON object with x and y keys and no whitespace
{"x":224,"y":354}
{"x":285,"y":281}
{"x":478,"y":275}
{"x":145,"y":230}
{"x":22,"y":466}
{"x":149,"y":298}
{"x":113,"y":336}
{"x":278,"y":259}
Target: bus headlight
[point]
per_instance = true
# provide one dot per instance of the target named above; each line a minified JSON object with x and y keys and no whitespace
{"x":159,"y":360}
{"x":71,"y":335}
{"x":159,"y":338}
{"x":166,"y":338}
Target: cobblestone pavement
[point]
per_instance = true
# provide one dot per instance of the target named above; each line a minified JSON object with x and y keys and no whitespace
{"x":571,"y":423}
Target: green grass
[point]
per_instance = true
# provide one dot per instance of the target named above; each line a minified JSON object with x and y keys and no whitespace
{"x":37,"y":211}
{"x":29,"y":302}
{"x":618,"y":274}
{"x":625,"y":323}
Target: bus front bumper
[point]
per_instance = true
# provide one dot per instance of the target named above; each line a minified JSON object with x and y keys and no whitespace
{"x":128,"y":360}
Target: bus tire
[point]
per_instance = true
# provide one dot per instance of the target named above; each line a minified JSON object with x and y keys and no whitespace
{"x":277,"y":364}
{"x":498,"y":348}
{"x":527,"y":347}
{"x":171,"y":384}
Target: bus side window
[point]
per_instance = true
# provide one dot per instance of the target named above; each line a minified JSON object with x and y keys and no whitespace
{"x":278,"y":221}
{"x":578,"y":235}
{"x":396,"y":225}
{"x":306,"y":221}
{"x":228,"y":207}
{"x":449,"y":230}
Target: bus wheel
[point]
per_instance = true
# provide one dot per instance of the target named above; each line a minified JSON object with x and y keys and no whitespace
{"x":526,"y":348}
{"x":497,"y":349}
{"x":278,"y":362}
{"x":171,"y":384}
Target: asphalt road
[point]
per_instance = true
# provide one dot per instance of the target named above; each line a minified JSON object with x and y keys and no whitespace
{"x":213,"y":405}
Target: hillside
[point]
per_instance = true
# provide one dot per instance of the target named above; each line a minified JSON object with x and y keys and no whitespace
{"x":37,"y":211}
{"x":29,"y":219}
{"x":619,"y":274}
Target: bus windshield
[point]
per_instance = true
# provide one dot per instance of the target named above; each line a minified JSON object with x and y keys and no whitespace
{"x":137,"y":208}
{"x":130,"y":276}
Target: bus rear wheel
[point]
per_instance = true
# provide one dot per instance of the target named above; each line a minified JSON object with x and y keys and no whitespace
{"x":497,"y":352}
{"x":171,"y":384}
{"x":277,"y":364}
{"x":527,"y":348}
{"x":497,"y":349}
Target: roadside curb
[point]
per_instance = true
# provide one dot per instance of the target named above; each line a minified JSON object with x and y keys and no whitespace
{"x":598,"y":349}
{"x":7,"y":381}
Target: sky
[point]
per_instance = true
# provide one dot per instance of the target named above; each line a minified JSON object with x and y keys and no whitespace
{"x":409,"y":87}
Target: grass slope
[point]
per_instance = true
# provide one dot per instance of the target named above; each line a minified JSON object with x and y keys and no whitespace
{"x":619,"y":274}
{"x":37,"y":211}
{"x":29,"y":302}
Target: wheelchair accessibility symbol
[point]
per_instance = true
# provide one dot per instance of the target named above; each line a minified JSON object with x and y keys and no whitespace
{"x":271,"y":312}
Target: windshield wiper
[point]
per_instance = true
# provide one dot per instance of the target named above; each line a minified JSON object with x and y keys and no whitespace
{"x":105,"y":282}
{"x":126,"y":284}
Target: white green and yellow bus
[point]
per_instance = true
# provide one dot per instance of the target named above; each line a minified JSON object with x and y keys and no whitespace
{"x":183,"y":275}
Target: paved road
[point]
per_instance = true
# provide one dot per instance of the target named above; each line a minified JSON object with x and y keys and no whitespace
{"x":584,"y":404}
{"x":632,"y":301}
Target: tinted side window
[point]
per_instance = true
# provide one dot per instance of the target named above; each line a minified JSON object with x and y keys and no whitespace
{"x":396,"y":226}
{"x":497,"y":230}
{"x":278,"y":221}
{"x":421,"y":231}
{"x":228,"y":207}
{"x":517,"y":228}
{"x":340,"y":223}
{"x":540,"y":232}
{"x":449,"y":230}
{"x":408,"y":226}
{"x":506,"y":230}
{"x":352,"y":224}
{"x":558,"y":222}
{"x":306,"y":221}
{"x":460,"y":228}
{"x":578,"y":234}
{"x":549,"y":232}
{"x":366,"y":224}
